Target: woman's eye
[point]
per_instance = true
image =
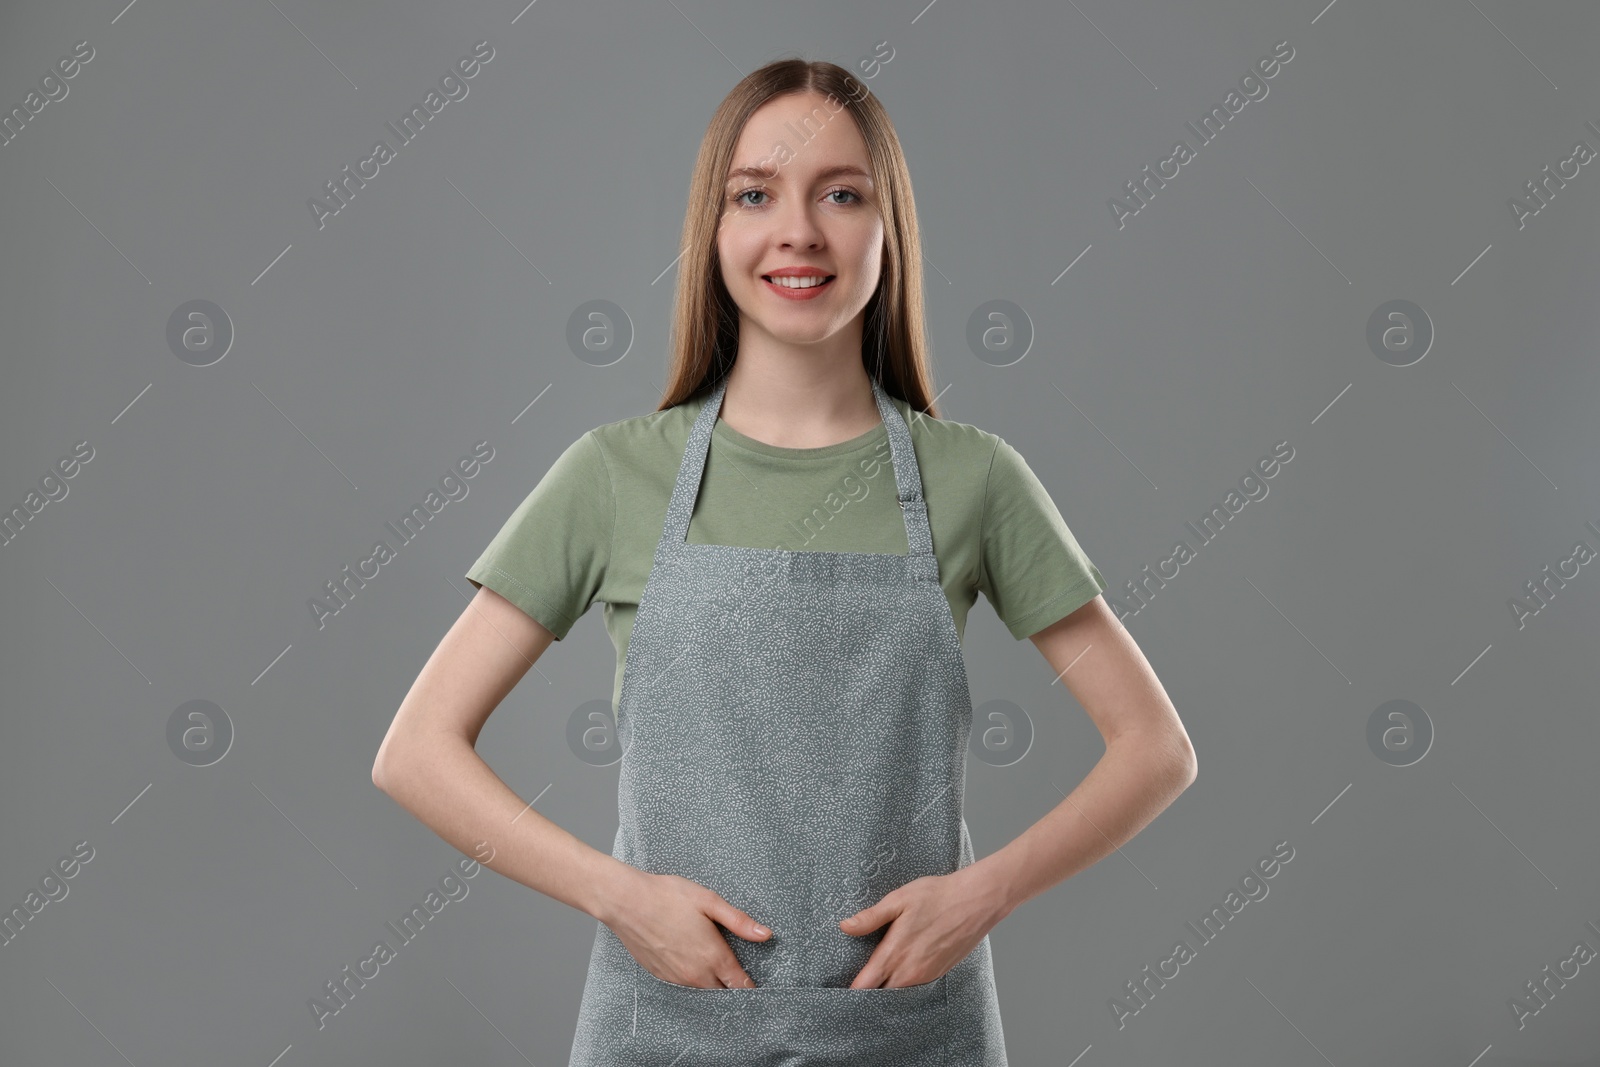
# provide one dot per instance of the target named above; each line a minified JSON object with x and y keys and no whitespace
{"x":739,"y":198}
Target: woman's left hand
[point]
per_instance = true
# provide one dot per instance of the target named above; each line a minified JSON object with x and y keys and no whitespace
{"x":935,"y":921}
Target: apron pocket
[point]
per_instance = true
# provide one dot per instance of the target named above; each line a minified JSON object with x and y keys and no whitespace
{"x":778,"y":1026}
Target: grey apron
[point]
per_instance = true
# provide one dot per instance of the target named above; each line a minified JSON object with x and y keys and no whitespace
{"x":794,"y":730}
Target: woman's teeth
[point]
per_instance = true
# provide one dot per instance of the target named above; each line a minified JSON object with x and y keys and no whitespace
{"x":798,"y":283}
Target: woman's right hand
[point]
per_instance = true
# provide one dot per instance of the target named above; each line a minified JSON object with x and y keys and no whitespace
{"x":670,"y":927}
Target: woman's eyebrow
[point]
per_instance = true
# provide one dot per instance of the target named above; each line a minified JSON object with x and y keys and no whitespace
{"x":763,"y":174}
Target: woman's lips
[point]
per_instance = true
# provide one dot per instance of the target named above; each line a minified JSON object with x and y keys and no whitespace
{"x":799,"y":294}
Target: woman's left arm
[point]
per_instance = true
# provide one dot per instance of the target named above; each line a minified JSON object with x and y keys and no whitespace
{"x":1148,"y":761}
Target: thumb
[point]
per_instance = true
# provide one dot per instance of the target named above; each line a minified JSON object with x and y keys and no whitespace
{"x":737,"y":921}
{"x":870,"y":919}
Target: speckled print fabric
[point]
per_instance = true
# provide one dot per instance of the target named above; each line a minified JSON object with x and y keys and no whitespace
{"x":794,"y":729}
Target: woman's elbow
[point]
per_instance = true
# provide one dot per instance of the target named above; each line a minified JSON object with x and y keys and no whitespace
{"x":387,"y":767}
{"x":1189,"y":766}
{"x":379,"y":772}
{"x":1171,"y":755}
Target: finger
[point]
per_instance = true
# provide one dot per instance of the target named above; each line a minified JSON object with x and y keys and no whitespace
{"x":733,"y":976}
{"x":871,"y":975}
{"x":737,"y":921}
{"x":870,"y":919}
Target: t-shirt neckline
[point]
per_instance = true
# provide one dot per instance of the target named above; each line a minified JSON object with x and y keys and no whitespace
{"x":723,"y":432}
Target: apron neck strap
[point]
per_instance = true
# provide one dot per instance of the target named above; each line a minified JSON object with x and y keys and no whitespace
{"x":907,"y":474}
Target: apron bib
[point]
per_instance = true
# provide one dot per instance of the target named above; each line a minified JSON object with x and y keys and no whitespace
{"x":794,"y":730}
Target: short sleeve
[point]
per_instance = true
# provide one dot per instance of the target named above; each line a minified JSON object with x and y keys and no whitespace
{"x":550,"y":557}
{"x":1033,"y":570}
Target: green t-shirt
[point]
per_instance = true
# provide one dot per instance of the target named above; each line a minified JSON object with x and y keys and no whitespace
{"x":588,"y":531}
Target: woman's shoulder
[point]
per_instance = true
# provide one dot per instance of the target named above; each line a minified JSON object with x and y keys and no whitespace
{"x":647,"y":440}
{"x":946,"y":443}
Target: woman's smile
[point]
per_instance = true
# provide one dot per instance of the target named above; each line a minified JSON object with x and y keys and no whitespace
{"x":801,"y":287}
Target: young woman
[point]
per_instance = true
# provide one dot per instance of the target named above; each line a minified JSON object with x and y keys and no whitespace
{"x":787,"y":549}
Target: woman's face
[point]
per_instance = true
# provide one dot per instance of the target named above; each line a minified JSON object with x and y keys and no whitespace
{"x":812,"y":204}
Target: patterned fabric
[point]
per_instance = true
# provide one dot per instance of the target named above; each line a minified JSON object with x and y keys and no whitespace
{"x":794,"y":729}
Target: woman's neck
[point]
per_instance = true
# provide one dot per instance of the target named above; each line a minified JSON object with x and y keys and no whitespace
{"x":799,"y":403}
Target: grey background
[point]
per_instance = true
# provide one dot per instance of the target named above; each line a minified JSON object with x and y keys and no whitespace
{"x":1230,"y":314}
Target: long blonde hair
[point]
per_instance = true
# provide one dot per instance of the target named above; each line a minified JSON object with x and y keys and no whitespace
{"x":705,"y":320}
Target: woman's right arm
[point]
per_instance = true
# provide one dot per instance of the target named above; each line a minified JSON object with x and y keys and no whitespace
{"x":429,"y":765}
